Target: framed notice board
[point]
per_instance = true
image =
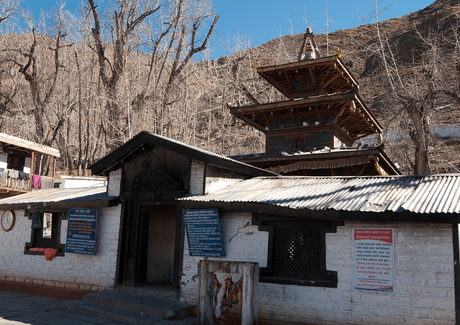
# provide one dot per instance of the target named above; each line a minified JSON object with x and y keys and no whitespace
{"x":81,"y":231}
{"x":373,"y":259}
{"x":203,"y":232}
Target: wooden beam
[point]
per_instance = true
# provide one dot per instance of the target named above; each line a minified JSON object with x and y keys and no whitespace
{"x":344,"y":136}
{"x":31,"y":170}
{"x":361,"y":171}
{"x":251,"y":122}
{"x":54,"y":167}
{"x":331,"y":80}
{"x":301,"y":102}
{"x":324,"y":75}
{"x":357,"y":133}
{"x":277,"y":85}
{"x":292,"y":115}
{"x":354,"y":124}
{"x":346,"y":119}
{"x":366,"y":111}
{"x":344,"y":106}
{"x":28,"y":145}
{"x":40,"y":165}
{"x":288,"y":80}
{"x":296,"y":65}
{"x":312,"y":76}
{"x":343,"y":85}
{"x":268,"y":121}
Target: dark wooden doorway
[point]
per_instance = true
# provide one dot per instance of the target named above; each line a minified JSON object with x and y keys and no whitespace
{"x":160,"y":243}
{"x":151,"y":242}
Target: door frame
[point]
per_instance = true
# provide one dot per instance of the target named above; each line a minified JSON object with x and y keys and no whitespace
{"x":129,"y":257}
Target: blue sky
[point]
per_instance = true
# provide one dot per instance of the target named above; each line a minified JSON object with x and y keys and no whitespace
{"x":262,"y":21}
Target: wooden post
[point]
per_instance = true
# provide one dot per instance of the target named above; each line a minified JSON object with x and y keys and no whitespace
{"x":54,"y":166}
{"x":40,"y":165}
{"x":31,"y":170}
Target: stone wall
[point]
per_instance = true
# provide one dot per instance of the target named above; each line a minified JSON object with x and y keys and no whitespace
{"x":423,"y":275}
{"x":72,"y":271}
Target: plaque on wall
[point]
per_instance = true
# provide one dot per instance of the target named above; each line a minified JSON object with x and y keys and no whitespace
{"x":203,"y":232}
{"x":373,"y":259}
{"x":81,"y":231}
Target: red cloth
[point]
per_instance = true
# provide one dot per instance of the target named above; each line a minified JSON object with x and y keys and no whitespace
{"x":50,"y":253}
{"x":36,"y":181}
{"x":37,"y":249}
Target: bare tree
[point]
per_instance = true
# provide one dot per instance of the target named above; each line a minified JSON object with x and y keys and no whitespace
{"x":124,"y":24}
{"x":8,"y":9}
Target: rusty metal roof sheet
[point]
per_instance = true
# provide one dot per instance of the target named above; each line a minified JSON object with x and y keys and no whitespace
{"x":418,"y":194}
{"x":58,"y":195}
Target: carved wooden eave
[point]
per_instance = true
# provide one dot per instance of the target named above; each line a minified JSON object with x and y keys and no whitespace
{"x":348,"y":111}
{"x":328,"y":75}
{"x":368,"y":158}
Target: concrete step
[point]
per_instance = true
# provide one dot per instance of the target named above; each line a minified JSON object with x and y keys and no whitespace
{"x":163,"y":291}
{"x":141,"y":305}
{"x":120,"y":316}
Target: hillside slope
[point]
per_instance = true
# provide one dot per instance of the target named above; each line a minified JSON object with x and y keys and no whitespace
{"x":416,"y":41}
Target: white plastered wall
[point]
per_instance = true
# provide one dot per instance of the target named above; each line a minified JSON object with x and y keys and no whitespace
{"x":72,"y":271}
{"x":424,"y":277}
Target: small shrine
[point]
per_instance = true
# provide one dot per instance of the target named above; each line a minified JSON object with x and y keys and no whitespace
{"x":316,"y":131}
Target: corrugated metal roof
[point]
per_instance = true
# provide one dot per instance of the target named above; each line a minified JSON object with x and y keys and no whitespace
{"x":58,"y":195}
{"x":419,"y":194}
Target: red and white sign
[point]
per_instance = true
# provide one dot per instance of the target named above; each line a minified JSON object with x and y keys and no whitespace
{"x":373,"y":259}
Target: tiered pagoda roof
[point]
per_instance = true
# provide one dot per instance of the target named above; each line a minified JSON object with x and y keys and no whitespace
{"x":324,"y":76}
{"x":349,"y":115}
{"x":313,"y":131}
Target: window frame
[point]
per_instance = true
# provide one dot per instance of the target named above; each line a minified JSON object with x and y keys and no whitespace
{"x":61,"y":215}
{"x":326,"y":278}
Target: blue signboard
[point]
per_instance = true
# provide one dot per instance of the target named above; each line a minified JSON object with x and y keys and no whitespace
{"x":203,"y":232}
{"x":81,"y":231}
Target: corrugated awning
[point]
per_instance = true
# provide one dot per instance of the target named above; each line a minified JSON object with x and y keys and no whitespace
{"x":60,"y":197}
{"x":432,"y":194}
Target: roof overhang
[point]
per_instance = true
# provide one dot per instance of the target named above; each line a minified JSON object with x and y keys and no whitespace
{"x":114,"y":159}
{"x":324,"y":72}
{"x":326,"y":160}
{"x":350,"y":110}
{"x":28,"y":145}
{"x":61,"y":198}
{"x":411,"y":198}
{"x":326,"y":215}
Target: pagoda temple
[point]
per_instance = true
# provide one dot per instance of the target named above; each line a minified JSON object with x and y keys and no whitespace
{"x":316,"y":131}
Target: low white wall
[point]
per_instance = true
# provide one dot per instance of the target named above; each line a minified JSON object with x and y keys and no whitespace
{"x":72,"y":271}
{"x":424,"y":277}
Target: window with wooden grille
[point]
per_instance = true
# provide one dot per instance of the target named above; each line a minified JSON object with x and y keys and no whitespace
{"x":297,"y":252}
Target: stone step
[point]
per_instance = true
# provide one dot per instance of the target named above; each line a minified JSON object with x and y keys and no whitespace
{"x":120,"y":316}
{"x":157,"y":291}
{"x":141,"y":305}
